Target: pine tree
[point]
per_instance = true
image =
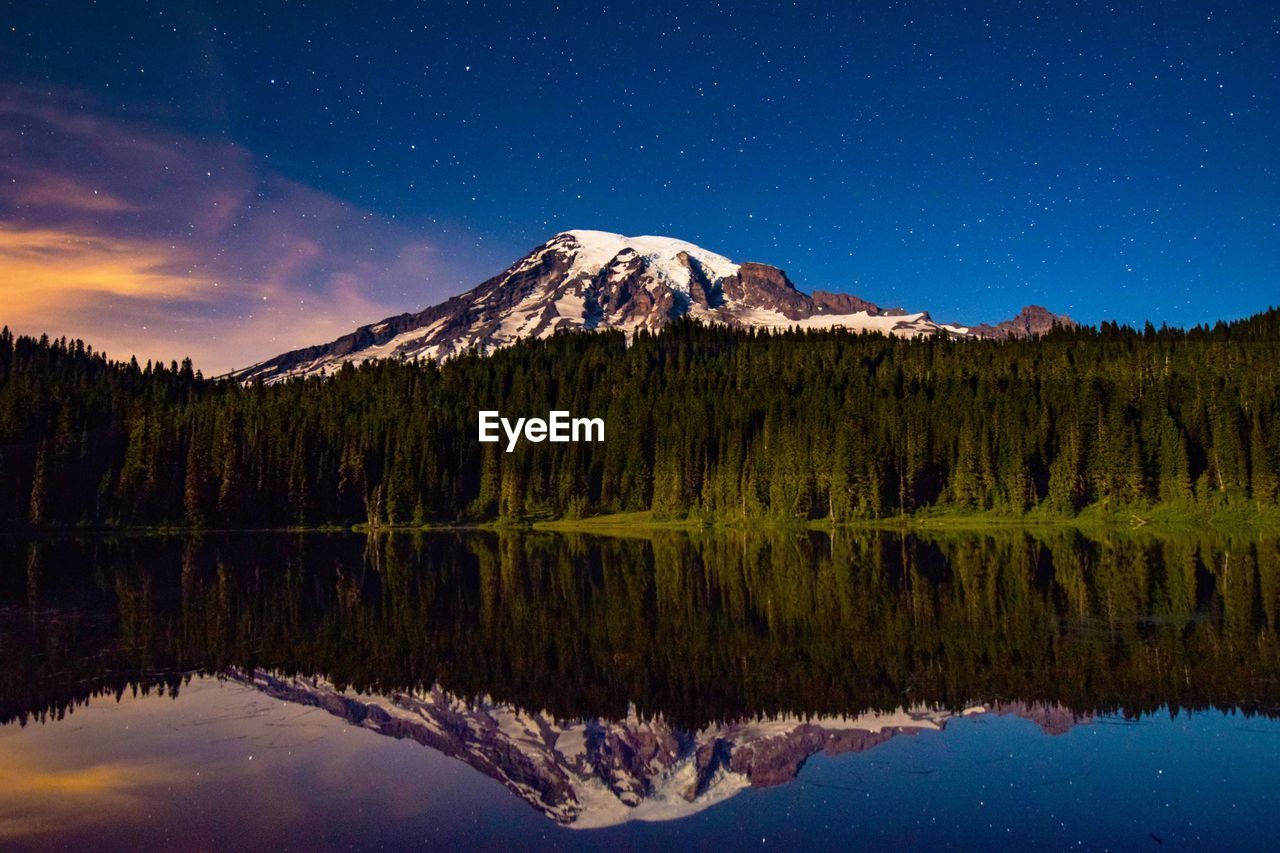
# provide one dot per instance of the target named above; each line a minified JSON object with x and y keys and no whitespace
{"x":1066,"y":486}
{"x":668,"y":488}
{"x":488,"y":492}
{"x":511,"y":504}
{"x":351,"y":497}
{"x":840,"y":483}
{"x":195,"y":484}
{"x":299,"y":491}
{"x":400,"y":498}
{"x":39,"y":488}
{"x":1262,"y":470}
{"x":1175,"y":470}
{"x":1227,"y":458}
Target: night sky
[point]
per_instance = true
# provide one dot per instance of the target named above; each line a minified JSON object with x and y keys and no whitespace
{"x":229,"y":181}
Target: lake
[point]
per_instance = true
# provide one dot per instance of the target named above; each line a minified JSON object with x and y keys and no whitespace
{"x":774,"y":690}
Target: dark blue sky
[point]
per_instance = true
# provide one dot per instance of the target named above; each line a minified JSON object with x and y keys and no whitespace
{"x":1107,"y":160}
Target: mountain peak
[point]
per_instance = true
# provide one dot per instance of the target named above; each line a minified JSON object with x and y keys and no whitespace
{"x":1031,"y":320}
{"x":596,"y":250}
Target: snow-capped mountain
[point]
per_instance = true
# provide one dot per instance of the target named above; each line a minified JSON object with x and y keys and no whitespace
{"x":599,"y":280}
{"x":595,"y":773}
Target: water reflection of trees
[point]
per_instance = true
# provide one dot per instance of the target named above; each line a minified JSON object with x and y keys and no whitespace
{"x":697,"y":627}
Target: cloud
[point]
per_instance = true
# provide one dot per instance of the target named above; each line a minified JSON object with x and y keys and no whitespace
{"x":147,"y":242}
{"x":43,"y":800}
{"x":46,"y":268}
{"x":58,"y":192}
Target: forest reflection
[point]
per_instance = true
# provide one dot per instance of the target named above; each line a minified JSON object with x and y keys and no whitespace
{"x":698,"y":628}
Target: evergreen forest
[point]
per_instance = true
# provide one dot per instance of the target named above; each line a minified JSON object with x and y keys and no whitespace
{"x":703,"y":423}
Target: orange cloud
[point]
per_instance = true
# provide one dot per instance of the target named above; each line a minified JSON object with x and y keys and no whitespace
{"x":44,"y":269}
{"x":44,"y":799}
{"x":95,"y":780}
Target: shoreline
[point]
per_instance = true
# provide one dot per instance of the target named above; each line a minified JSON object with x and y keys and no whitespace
{"x":1156,"y":520}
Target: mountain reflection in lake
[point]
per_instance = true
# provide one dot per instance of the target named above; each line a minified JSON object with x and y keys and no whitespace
{"x":746,"y":680}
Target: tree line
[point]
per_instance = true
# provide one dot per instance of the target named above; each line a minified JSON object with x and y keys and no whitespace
{"x":702,"y":422}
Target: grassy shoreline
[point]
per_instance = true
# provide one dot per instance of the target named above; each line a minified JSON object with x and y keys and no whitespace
{"x":1151,"y":519}
{"x":1158,"y":518}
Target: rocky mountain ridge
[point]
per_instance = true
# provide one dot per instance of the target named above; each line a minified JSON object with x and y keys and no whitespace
{"x":598,"y":280}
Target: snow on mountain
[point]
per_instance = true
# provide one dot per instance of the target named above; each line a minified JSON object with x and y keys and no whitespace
{"x":596,"y":773}
{"x":599,"y":280}
{"x":598,"y":248}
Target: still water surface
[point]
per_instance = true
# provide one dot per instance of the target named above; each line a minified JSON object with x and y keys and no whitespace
{"x":744,"y":691}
